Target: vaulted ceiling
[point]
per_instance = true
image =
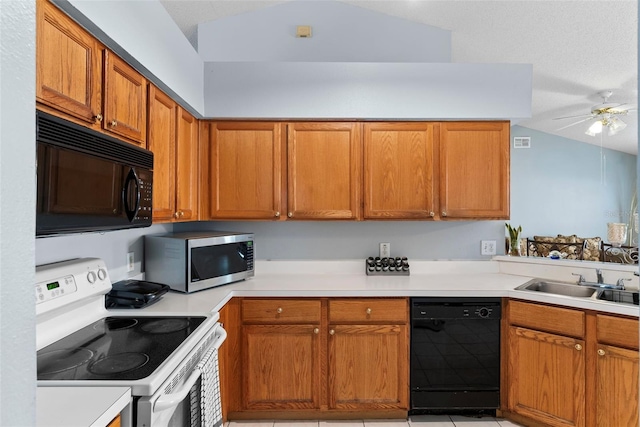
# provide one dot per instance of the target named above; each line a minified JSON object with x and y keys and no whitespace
{"x":577,"y":48}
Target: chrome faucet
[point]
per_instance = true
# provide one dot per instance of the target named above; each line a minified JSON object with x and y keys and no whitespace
{"x":600,"y":281}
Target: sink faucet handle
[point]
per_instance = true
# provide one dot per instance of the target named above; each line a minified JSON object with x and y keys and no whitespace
{"x":580,"y":277}
{"x":599,"y":275}
{"x":620,"y":283}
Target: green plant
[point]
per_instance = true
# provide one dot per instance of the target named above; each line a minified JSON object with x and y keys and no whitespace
{"x":513,"y":232}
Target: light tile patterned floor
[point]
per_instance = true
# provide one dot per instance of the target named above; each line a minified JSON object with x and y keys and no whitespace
{"x":414,"y":421}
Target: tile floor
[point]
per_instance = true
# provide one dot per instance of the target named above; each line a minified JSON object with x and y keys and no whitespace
{"x":414,"y":421}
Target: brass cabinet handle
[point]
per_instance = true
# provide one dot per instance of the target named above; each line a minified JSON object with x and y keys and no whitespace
{"x":176,"y":215}
{"x":181,"y":214}
{"x":279,"y":310}
{"x":316,"y":331}
{"x":98,"y":117}
{"x":332,"y":332}
{"x":444,"y":213}
{"x":368,"y":311}
{"x":277,"y":214}
{"x":601,"y":352}
{"x":290,"y":214}
{"x":432,"y":214}
{"x":578,"y":347}
{"x":113,"y":123}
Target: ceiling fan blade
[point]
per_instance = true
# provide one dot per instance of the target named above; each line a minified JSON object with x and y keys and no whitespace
{"x":575,"y":123}
{"x":574,"y":117}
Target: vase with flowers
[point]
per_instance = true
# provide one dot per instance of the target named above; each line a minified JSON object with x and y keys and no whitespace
{"x":514,"y":239}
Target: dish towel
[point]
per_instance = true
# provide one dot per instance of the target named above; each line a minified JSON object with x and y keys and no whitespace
{"x":210,"y":405}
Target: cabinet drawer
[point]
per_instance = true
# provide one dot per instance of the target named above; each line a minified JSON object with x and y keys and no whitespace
{"x":371,"y":310}
{"x":618,"y":331}
{"x":271,"y":311}
{"x":557,"y":320}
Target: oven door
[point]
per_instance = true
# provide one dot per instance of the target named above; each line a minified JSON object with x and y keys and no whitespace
{"x":190,"y":397}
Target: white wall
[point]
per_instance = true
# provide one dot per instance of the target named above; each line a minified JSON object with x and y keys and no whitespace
{"x":367,"y":90}
{"x":144,"y":29}
{"x":557,"y":186}
{"x":111,"y":246}
{"x":17,"y":213}
{"x":340,"y":33}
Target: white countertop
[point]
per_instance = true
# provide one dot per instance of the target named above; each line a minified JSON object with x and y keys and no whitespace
{"x":80,"y":406}
{"x":495,"y":278}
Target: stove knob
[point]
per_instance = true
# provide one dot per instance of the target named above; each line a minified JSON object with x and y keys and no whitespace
{"x":91,"y":277}
{"x":484,"y":312}
{"x":102,"y":274}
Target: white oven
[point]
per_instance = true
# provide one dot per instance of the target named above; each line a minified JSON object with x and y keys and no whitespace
{"x":169,"y":361}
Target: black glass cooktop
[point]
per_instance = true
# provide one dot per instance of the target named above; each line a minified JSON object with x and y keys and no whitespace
{"x":115,"y":348}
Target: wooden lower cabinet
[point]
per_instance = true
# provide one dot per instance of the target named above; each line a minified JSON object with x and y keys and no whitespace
{"x":297,"y":363}
{"x":569,"y":367}
{"x":546,"y":377}
{"x":368,"y":367}
{"x":281,"y":367}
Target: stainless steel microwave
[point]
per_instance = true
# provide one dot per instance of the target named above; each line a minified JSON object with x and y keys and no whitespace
{"x":88,"y":181}
{"x":194,"y":261}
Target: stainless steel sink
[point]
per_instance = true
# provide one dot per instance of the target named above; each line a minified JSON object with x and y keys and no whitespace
{"x":625,"y":297}
{"x":558,"y":288}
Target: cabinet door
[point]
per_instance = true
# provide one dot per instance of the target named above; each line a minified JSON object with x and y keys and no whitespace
{"x":162,"y":142}
{"x":281,"y":367}
{"x":474,"y":170}
{"x":324,"y":169}
{"x":68,"y":65}
{"x":125,"y":100}
{"x":617,"y":387}
{"x":368,"y":367}
{"x":187,"y":166}
{"x":399,"y":170}
{"x":245,"y":170}
{"x":546,"y":377}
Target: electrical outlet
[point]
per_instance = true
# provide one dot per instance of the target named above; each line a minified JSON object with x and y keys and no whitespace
{"x":488,"y":247}
{"x":385,"y":250}
{"x":129,"y":262}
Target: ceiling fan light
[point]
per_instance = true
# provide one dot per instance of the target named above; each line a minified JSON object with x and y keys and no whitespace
{"x":595,"y":128}
{"x":616,"y":125}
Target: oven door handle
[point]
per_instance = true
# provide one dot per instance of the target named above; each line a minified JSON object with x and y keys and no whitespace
{"x":170,"y":400}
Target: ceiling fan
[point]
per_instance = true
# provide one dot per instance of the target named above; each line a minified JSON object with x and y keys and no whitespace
{"x":606,"y":115}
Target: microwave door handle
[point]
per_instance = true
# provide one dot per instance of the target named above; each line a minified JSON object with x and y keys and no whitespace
{"x":131,"y":177}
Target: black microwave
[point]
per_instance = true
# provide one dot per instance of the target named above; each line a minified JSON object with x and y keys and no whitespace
{"x":88,"y":181}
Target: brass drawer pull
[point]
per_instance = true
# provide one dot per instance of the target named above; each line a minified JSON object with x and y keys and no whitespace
{"x":279,"y":310}
{"x":601,"y":352}
{"x":578,"y":347}
{"x":368,"y":311}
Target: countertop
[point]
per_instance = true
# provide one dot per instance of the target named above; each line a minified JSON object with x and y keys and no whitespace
{"x":70,"y":407}
{"x":492,"y":278}
{"x":495,"y":278}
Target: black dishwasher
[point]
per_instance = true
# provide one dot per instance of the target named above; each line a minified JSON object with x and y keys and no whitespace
{"x":455,"y":355}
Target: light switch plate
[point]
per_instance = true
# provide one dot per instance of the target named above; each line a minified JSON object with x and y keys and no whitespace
{"x":130,"y":262}
{"x":385,"y":250}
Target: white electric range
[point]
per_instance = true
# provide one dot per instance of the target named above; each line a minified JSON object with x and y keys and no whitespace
{"x":168,"y":361}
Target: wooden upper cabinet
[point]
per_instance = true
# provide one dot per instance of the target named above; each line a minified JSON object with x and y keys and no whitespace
{"x":399,"y":170}
{"x":324,"y":170}
{"x":245,"y":170}
{"x":474,"y":170}
{"x":162,"y":137}
{"x":125,"y":100}
{"x":186,"y":166}
{"x":68,"y":65}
